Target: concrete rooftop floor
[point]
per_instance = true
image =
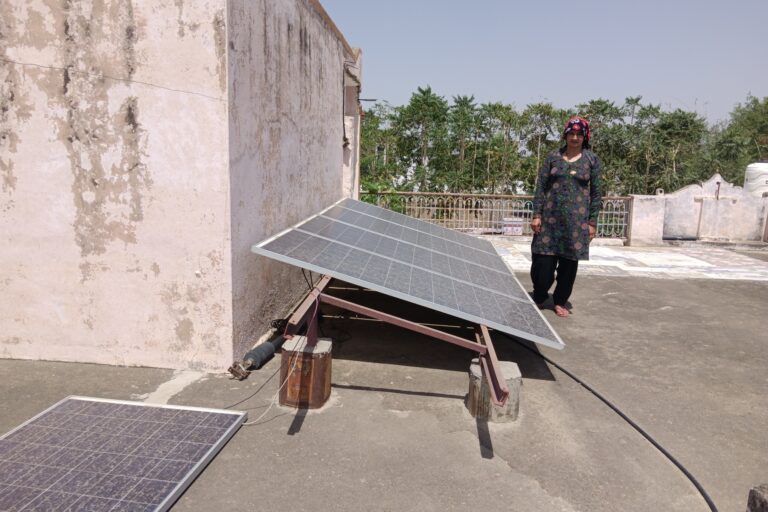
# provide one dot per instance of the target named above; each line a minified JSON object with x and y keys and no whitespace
{"x":686,"y":358}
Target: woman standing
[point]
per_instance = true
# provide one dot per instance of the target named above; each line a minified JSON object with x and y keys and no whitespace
{"x":565,"y":207}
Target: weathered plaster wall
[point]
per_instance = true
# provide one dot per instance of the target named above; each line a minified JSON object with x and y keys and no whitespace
{"x":715,"y":210}
{"x":647,"y":220}
{"x":286,"y":139}
{"x":114,"y":207}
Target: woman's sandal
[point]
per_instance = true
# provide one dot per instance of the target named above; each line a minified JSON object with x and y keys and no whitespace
{"x":561,"y":311}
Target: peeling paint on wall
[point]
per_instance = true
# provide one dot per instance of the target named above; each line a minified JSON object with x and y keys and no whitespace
{"x":8,"y":137}
{"x":105,"y":149}
{"x":14,"y":110}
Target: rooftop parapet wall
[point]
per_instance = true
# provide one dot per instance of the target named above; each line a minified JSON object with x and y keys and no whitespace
{"x":144,"y":146}
{"x":715,"y":210}
{"x":711,"y":211}
{"x":114,"y":211}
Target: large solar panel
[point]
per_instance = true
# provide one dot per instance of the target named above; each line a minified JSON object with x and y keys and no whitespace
{"x":108,"y":455}
{"x":413,"y":260}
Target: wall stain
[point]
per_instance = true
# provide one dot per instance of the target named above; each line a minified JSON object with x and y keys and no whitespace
{"x":130,"y":37}
{"x":180,"y":18}
{"x":184,"y":304}
{"x":215,"y":258}
{"x":220,"y":41}
{"x":185,"y":329}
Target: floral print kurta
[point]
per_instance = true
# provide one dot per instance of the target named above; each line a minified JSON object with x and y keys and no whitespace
{"x":567,"y":199}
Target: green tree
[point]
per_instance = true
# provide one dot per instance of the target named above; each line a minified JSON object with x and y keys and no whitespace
{"x":743,"y":140}
{"x":380,"y":167}
{"x":462,"y":125}
{"x":431,"y":145}
{"x":421,"y":129}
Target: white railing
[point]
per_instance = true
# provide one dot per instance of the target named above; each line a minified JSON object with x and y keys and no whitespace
{"x":492,"y":214}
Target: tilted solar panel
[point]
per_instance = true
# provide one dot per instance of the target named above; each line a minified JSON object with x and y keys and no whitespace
{"x":415,"y":261}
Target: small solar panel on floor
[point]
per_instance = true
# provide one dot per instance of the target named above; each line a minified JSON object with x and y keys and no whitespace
{"x":415,"y":261}
{"x":90,"y":454}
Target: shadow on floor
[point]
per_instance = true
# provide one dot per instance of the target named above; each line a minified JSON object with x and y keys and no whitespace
{"x":362,"y":339}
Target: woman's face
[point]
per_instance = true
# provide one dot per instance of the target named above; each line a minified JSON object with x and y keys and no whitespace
{"x":574,"y":139}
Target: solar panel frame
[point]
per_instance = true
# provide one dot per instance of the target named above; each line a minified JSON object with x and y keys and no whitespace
{"x":73,"y":456}
{"x":356,"y":259}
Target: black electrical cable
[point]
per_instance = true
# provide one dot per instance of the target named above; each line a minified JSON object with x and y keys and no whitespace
{"x":309,"y":282}
{"x":626,"y":418}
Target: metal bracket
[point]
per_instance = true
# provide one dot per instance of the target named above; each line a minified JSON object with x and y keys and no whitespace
{"x":402,"y":322}
{"x":302,"y":313}
{"x":496,"y":382}
{"x":483,"y":346}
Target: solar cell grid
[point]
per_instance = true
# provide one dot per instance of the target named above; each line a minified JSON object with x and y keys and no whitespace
{"x":427,"y":227}
{"x":415,"y":261}
{"x":423,"y":234}
{"x":107,"y":455}
{"x":399,"y":250}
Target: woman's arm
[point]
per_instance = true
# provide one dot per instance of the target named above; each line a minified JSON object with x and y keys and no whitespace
{"x":541,"y":186}
{"x":595,"y":194}
{"x":539,"y":194}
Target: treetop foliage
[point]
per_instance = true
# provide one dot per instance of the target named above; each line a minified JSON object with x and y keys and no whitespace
{"x":433,"y":145}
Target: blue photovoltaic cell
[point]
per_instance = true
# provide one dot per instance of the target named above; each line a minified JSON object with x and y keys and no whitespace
{"x":415,"y":261}
{"x":90,"y":454}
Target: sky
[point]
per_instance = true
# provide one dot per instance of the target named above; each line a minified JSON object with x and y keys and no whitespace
{"x":704,"y":56}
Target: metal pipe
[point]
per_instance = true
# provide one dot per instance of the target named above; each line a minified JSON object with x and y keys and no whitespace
{"x":256,"y":357}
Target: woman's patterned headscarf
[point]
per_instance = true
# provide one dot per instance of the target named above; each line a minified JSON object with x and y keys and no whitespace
{"x":577,"y":124}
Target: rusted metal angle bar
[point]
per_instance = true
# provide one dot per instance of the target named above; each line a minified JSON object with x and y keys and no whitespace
{"x":309,"y":306}
{"x":401,"y":322}
{"x":496,"y":382}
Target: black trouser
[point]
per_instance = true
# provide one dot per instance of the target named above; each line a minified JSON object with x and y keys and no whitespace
{"x":543,"y":268}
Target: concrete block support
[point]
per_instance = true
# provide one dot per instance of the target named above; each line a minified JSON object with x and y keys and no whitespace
{"x":758,"y":499}
{"x":479,"y":398}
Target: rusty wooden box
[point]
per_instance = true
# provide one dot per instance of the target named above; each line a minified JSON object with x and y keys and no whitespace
{"x":306,"y":372}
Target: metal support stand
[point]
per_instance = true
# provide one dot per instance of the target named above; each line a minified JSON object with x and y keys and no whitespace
{"x":483,"y":345}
